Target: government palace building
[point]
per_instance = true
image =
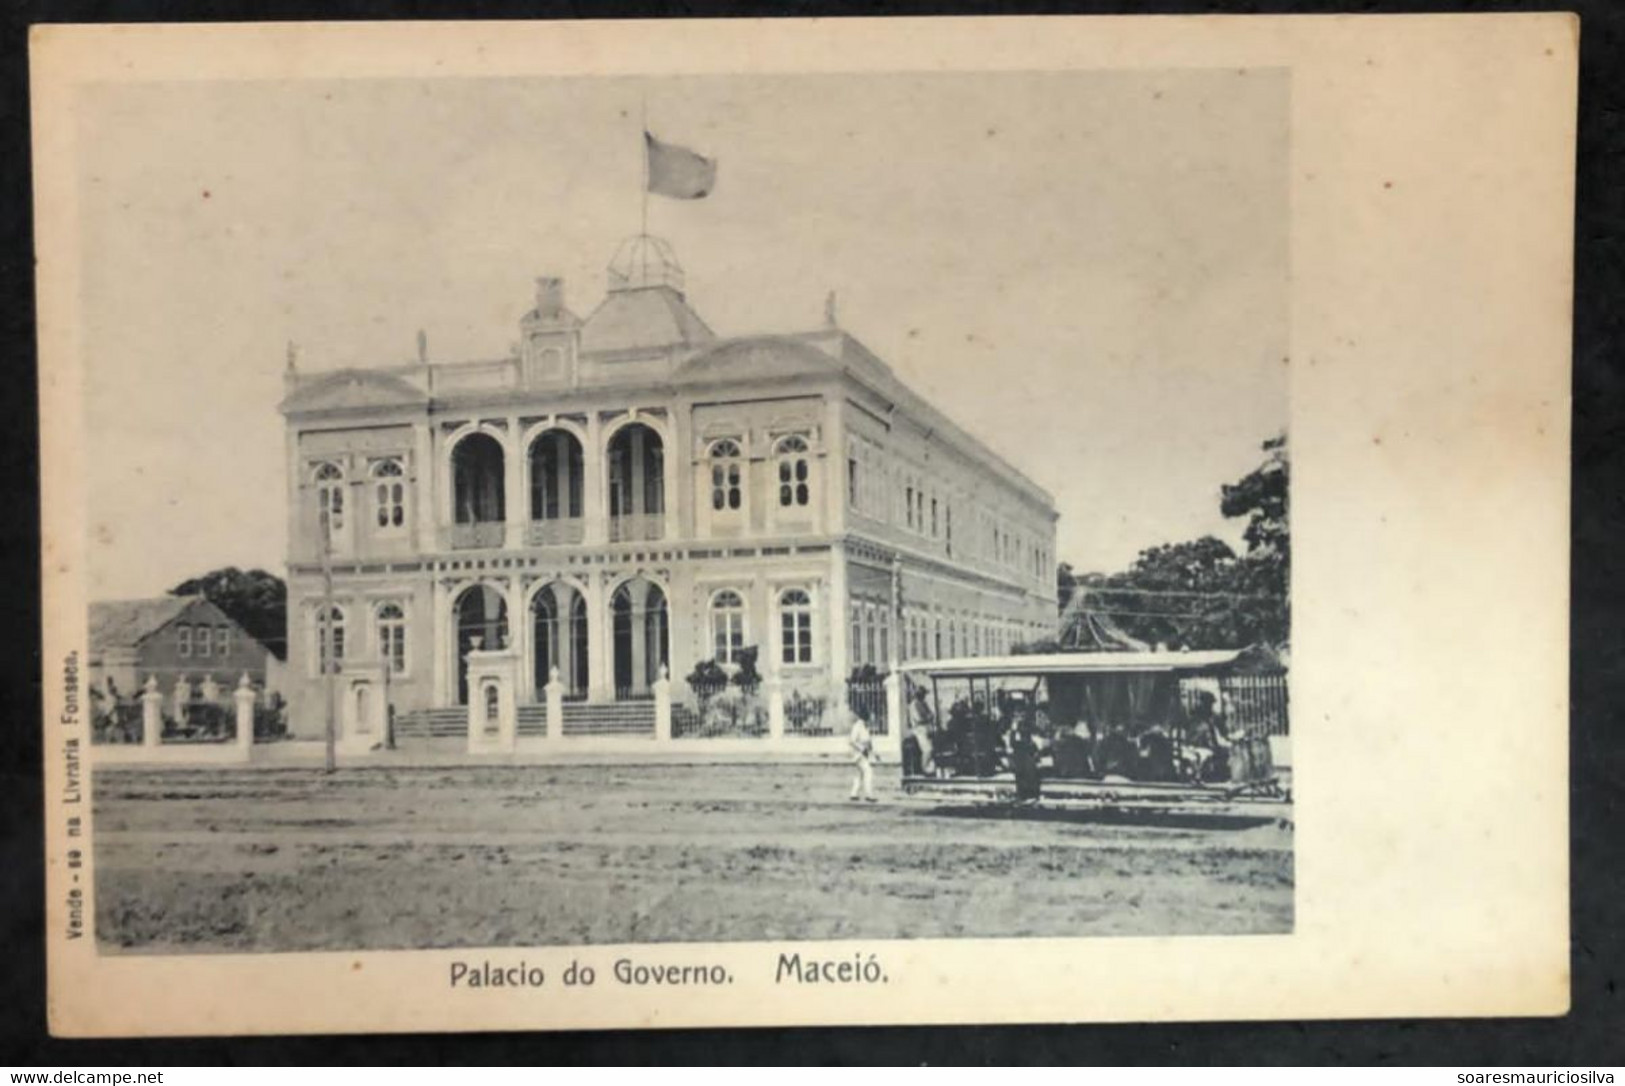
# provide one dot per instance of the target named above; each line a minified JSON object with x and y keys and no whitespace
{"x":570,"y":530}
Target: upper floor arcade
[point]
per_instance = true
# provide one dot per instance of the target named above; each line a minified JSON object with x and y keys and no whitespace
{"x":577,"y":478}
{"x":638,"y":425}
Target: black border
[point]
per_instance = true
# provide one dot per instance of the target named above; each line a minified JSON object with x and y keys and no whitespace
{"x":1592,"y":1035}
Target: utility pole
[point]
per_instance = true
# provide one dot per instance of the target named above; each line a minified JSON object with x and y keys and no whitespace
{"x":389,"y":706}
{"x":329,"y":638}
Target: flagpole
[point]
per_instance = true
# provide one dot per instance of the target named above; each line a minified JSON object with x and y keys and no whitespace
{"x":643,"y":222}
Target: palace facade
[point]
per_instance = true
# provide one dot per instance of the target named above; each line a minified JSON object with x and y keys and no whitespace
{"x":630,"y":493}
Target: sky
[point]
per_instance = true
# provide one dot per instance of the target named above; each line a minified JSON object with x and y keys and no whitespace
{"x":1087,"y":270}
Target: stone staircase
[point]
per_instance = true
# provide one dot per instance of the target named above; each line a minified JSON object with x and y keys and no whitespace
{"x":620,"y":718}
{"x":432,"y":724}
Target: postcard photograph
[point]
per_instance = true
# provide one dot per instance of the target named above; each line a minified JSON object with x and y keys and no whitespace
{"x":840,"y":514}
{"x":698,"y":509}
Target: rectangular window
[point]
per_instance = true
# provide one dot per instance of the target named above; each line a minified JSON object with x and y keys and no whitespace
{"x":797,"y":637}
{"x":853,"y":498}
{"x":203,"y":640}
{"x":909,"y":505}
{"x":183,"y":641}
{"x":222,"y":640}
{"x":933,"y":518}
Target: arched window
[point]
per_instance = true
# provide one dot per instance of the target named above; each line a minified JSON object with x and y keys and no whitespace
{"x":795,"y":626}
{"x":477,"y":480}
{"x":330,"y":633}
{"x":389,"y":495}
{"x":392,"y":637}
{"x":330,"y":498}
{"x":791,"y":453}
{"x":556,"y":476}
{"x":727,"y":475}
{"x":727,"y":625}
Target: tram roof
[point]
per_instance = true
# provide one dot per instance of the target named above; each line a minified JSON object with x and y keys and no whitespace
{"x":1076,"y":663}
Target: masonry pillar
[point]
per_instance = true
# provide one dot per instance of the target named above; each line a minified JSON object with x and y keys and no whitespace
{"x":515,"y":507}
{"x":600,"y":643}
{"x":637,"y":593}
{"x":519,"y":637}
{"x":493,"y":714}
{"x":245,"y":698}
{"x":836,"y":609}
{"x":152,"y":713}
{"x":438,"y":609}
{"x":182,"y":700}
{"x":363,"y":711}
{"x":662,"y":693}
{"x":595,"y":483}
{"x":896,"y":717}
{"x":555,"y":706}
{"x":775,"y":707}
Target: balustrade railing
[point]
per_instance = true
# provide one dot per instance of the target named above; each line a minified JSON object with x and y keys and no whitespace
{"x":556,"y":533}
{"x":485,"y":533}
{"x":637,"y":528}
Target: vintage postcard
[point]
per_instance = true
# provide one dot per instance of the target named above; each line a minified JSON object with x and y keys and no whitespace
{"x":576,"y":525}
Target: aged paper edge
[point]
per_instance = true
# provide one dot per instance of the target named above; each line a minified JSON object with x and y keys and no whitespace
{"x":1431,"y":255}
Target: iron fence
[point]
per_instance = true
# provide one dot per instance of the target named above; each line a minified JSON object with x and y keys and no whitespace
{"x":806,"y":715}
{"x":867,"y":699}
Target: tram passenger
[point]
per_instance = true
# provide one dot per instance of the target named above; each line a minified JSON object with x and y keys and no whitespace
{"x":1024,"y":762}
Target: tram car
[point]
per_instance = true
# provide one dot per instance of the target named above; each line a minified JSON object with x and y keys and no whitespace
{"x":1147,"y":727}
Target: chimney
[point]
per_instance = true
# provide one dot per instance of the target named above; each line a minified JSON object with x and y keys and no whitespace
{"x":549,"y":297}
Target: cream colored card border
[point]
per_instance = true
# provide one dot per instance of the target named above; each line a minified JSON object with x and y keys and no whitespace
{"x":1432,"y":195}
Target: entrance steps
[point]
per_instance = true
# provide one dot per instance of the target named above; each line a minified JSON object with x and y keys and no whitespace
{"x":621,"y":718}
{"x":610,"y":718}
{"x":432,"y":723}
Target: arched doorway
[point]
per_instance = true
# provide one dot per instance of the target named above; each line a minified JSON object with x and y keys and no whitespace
{"x":556,"y":480}
{"x":638,"y":611}
{"x":637,"y":484}
{"x":482,"y":621}
{"x":478,"y":501}
{"x":558,"y":615}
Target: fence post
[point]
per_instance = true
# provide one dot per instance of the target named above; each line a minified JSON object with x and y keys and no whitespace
{"x":183,"y":700}
{"x":245,"y":698}
{"x":775,"y":709}
{"x":554,"y":690}
{"x":895,"y":716}
{"x":662,"y":692}
{"x":152,"y":713}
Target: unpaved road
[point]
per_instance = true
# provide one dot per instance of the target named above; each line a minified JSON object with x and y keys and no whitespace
{"x":385,"y":858}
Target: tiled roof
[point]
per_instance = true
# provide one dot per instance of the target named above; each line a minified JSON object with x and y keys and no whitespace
{"x":122,"y":623}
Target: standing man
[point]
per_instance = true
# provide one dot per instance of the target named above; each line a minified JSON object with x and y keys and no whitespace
{"x":862,"y":745}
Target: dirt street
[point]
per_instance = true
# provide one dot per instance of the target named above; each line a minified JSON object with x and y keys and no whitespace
{"x":384,"y":858}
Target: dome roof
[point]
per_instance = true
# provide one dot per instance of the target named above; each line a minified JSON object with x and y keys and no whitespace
{"x":643,"y":319}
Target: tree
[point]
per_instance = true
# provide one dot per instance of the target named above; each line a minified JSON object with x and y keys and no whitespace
{"x":1200,"y":593}
{"x":256,"y":600}
{"x":1262,"y":497}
